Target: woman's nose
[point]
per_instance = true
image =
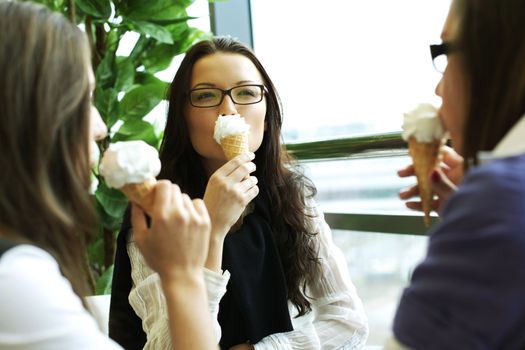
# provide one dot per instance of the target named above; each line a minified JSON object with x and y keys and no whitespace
{"x":439,"y":87}
{"x":99,"y":130}
{"x":227,"y":107}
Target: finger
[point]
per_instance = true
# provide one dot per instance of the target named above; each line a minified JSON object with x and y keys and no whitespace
{"x":441,"y":185}
{"x":242,"y":172}
{"x":177,"y":199}
{"x":188,"y":205}
{"x":138,"y":221}
{"x":163,"y":197}
{"x":443,"y":166}
{"x":451,"y":157}
{"x":251,"y":194}
{"x":408,"y":193}
{"x":234,"y":163}
{"x":248,"y":183}
{"x":414,"y":206}
{"x":201,"y":209}
{"x":406,"y":172}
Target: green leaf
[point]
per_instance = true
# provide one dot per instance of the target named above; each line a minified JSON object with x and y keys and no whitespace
{"x":159,"y":58}
{"x":107,"y":221}
{"x":140,"y":47}
{"x":103,"y":285}
{"x":112,"y":200}
{"x":125,"y":74}
{"x":143,"y":78}
{"x":107,"y":104}
{"x":136,"y":130}
{"x":55,"y":5}
{"x":164,"y":22}
{"x":141,"y":100}
{"x":191,"y":36}
{"x":95,"y":252}
{"x":186,"y":36}
{"x":106,"y":71}
{"x":157,"y":10}
{"x":112,"y":40}
{"x":95,"y":8}
{"x":154,"y":30}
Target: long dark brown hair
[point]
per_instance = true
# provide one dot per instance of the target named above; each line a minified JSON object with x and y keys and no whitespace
{"x":44,"y":135}
{"x":278,"y":176}
{"x":491,"y":41}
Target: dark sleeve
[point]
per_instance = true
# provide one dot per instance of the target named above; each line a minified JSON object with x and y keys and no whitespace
{"x":468,"y":293}
{"x":125,"y":327}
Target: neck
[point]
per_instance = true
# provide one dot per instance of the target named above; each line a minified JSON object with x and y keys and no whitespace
{"x":211,"y":165}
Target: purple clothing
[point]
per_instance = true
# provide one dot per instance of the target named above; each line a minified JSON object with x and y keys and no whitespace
{"x":469,"y":292}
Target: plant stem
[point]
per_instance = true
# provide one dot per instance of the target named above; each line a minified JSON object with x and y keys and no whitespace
{"x":100,"y":43}
{"x":89,"y":33}
{"x":72,"y":11}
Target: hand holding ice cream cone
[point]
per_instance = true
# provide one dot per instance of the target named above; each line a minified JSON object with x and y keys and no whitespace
{"x":424,"y":133}
{"x":132,"y":166}
{"x":231,"y":132}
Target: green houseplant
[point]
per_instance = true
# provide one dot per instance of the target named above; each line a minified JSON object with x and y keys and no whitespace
{"x":126,"y":88}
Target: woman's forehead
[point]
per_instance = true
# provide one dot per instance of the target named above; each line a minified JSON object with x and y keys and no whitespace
{"x":224,"y":67}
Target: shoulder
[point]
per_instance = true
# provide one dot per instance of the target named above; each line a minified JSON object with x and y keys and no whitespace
{"x":30,"y":277}
{"x":485,"y":220}
{"x":42,"y":304}
{"x":28,"y":260}
{"x":502,"y":177}
{"x":43,"y":312}
{"x":494,"y":192}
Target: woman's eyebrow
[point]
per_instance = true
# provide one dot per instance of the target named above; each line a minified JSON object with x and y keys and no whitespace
{"x":245,"y":81}
{"x":204,"y":85}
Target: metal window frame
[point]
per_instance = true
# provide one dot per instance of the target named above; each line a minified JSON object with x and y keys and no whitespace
{"x":371,"y":146}
{"x":233,"y":18}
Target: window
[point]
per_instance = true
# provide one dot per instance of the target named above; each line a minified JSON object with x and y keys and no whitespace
{"x":348,"y":67}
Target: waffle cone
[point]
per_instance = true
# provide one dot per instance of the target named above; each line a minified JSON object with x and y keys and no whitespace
{"x":234,"y":145}
{"x":425,"y":157}
{"x":142,"y":194}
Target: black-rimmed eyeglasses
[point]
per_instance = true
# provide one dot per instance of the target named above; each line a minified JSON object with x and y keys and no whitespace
{"x":440,"y":54}
{"x":211,"y":97}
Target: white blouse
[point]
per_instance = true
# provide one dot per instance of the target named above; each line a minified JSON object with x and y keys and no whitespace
{"x":38,"y":308}
{"x":337,"y":320}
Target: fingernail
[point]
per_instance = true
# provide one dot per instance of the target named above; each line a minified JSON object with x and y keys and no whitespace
{"x":436,"y":176}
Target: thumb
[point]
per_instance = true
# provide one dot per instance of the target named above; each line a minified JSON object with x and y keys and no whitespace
{"x":138,"y":221}
{"x":441,"y":184}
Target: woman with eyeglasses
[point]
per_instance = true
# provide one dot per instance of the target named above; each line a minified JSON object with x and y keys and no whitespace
{"x":47,"y":124}
{"x":276,"y":282}
{"x":468,"y":293}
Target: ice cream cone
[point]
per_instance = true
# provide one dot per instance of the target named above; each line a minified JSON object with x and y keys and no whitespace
{"x":142,"y":194}
{"x":425,"y":157}
{"x":233,"y":145}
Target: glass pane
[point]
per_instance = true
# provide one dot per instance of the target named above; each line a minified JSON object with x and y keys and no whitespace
{"x":374,"y":53}
{"x":380,"y":272}
{"x":359,"y":185}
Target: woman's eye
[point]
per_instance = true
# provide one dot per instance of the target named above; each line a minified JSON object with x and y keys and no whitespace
{"x":205,"y":95}
{"x":247,"y":92}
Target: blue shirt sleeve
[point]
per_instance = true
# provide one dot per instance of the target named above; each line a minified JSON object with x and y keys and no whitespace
{"x":469,"y":292}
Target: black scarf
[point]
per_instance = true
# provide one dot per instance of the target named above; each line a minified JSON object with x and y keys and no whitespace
{"x":255,"y":304}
